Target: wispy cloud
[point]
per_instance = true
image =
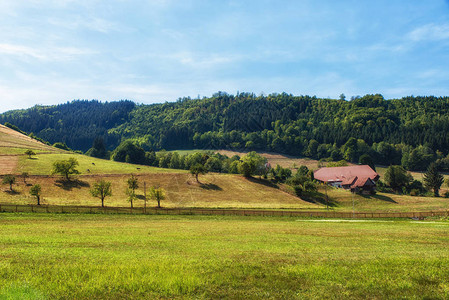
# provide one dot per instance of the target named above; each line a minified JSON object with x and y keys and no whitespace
{"x":47,"y":54}
{"x":432,"y":31}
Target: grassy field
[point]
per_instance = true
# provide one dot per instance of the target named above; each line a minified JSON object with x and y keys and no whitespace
{"x":42,"y":164}
{"x":116,"y":256}
{"x":218,"y":191}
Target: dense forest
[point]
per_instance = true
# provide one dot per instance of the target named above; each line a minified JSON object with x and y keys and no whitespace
{"x":75,"y":123}
{"x":411,"y":131}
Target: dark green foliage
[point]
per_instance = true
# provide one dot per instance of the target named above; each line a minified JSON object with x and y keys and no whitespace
{"x":75,"y":123}
{"x":98,"y":148}
{"x":397,"y":177}
{"x":406,"y":131}
{"x":30,"y":153}
{"x":197,"y":169}
{"x":130,"y":153}
{"x":365,"y":159}
{"x":9,"y":179}
{"x":433,"y":179}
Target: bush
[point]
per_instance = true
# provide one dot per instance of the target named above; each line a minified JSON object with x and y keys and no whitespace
{"x":415,"y":192}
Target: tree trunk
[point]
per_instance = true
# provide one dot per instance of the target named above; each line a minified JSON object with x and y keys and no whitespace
{"x":196,"y":175}
{"x":10,"y":186}
{"x":131,"y":203}
{"x":159,"y":203}
{"x":102,"y":202}
{"x":38,"y":200}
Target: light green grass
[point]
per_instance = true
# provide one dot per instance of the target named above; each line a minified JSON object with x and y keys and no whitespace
{"x":116,"y":256}
{"x":43,"y":164}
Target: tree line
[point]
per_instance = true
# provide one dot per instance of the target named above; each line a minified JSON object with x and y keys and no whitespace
{"x":410,"y":131}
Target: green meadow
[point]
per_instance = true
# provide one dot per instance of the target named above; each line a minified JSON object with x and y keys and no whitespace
{"x":64,"y":256}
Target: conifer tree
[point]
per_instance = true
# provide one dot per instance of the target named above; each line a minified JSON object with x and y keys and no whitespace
{"x":433,"y":179}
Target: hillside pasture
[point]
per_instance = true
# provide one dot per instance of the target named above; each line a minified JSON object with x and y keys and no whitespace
{"x":204,"y":257}
{"x":213,"y":191}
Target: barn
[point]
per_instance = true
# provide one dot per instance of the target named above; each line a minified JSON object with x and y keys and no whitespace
{"x":360,"y":178}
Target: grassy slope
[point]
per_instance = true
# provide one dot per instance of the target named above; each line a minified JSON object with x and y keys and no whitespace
{"x":118,"y":256}
{"x":224,"y":191}
{"x":182,"y":191}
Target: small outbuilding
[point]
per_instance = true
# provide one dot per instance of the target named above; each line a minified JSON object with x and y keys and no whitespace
{"x":360,"y":178}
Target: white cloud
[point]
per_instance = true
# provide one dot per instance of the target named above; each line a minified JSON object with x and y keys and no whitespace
{"x":47,"y":54}
{"x":433,"y":32}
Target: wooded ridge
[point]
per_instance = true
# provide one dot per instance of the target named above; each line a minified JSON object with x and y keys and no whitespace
{"x":411,"y":131}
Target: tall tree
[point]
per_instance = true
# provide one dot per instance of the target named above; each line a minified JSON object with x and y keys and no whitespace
{"x":433,"y":179}
{"x":197,"y":169}
{"x":9,"y":179}
{"x":35,"y":190}
{"x":397,"y":177}
{"x":158,"y":194}
{"x":101,"y":189}
{"x":133,"y":184}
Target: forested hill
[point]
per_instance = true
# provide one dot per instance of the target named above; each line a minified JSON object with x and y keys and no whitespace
{"x":75,"y":123}
{"x":391,"y":131}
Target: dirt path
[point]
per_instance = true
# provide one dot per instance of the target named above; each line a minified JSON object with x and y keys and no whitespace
{"x":8,"y":164}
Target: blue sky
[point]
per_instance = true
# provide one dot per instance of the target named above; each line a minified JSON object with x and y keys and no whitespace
{"x":159,"y":50}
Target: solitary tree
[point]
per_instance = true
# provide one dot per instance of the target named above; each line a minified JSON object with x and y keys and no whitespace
{"x":433,"y":179}
{"x":66,"y":167}
{"x":25,"y":175}
{"x":397,"y":177}
{"x":35,"y":190}
{"x":131,"y":190}
{"x":9,"y":179}
{"x":101,"y":189}
{"x":30,"y":153}
{"x":197,"y":169}
{"x":158,"y":194}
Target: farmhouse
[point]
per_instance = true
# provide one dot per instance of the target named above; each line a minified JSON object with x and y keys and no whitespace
{"x":355,"y":178}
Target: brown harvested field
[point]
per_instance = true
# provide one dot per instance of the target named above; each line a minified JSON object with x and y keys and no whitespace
{"x":8,"y":164}
{"x":215,"y":191}
{"x":285,"y":161}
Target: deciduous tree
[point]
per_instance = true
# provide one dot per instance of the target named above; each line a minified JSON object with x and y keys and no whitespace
{"x":35,"y":190}
{"x":30,"y":153}
{"x":9,"y":179}
{"x":133,"y":184}
{"x":66,"y":167}
{"x":101,"y":189}
{"x":158,"y":194}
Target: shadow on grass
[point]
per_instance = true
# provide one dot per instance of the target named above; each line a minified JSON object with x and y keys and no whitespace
{"x":13,"y":192}
{"x":210,"y":186}
{"x":71,"y":184}
{"x":263,"y":182}
{"x":318,"y":198}
{"x":379,"y":197}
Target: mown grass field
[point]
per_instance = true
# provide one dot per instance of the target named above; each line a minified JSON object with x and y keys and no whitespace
{"x":61,"y":256}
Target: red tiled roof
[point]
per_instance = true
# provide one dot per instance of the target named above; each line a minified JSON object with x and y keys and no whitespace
{"x":361,"y":182}
{"x":345,"y":174}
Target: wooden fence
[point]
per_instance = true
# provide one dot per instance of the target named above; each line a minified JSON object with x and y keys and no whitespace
{"x":210,"y":211}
